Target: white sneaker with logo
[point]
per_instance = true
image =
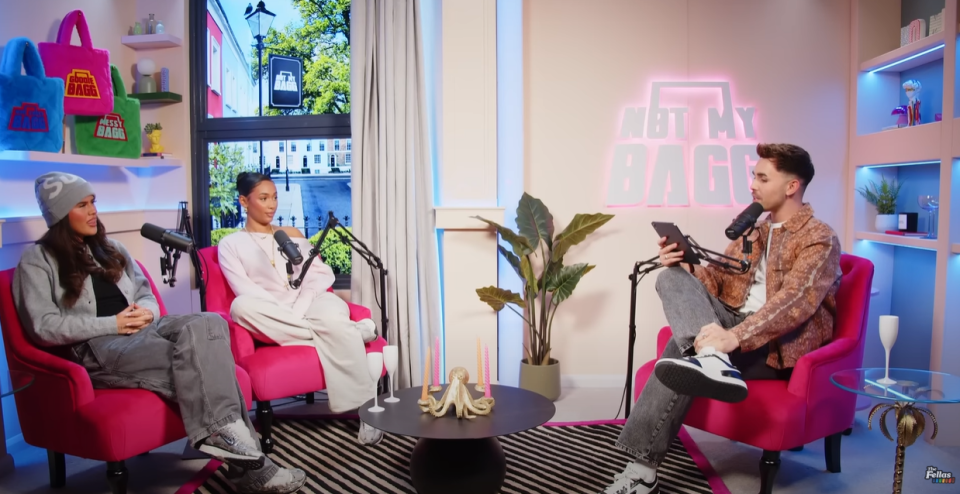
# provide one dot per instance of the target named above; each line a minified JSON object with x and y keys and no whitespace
{"x":708,"y":374}
{"x":631,"y":481}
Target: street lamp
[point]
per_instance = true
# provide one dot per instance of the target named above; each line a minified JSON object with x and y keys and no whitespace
{"x":259,"y":20}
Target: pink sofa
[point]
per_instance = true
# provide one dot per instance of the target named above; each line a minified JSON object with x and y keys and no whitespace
{"x":781,"y":415}
{"x":62,"y":413}
{"x":275,"y":371}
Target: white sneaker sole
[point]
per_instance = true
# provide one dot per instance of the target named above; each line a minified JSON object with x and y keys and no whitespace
{"x":242,"y":461}
{"x":689,"y":379}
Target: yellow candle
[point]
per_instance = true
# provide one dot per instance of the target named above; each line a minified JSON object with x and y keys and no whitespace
{"x":426,"y":375}
{"x":479,"y":364}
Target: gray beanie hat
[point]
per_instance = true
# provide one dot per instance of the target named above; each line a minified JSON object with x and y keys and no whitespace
{"x":58,"y":192}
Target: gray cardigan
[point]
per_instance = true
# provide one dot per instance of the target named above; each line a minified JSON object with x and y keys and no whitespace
{"x":37,"y":294}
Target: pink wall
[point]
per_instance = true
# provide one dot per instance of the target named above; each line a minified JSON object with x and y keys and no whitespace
{"x":584,"y":65}
{"x":214,"y":100}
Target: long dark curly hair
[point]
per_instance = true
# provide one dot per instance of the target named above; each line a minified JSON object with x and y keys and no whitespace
{"x":74,"y":264}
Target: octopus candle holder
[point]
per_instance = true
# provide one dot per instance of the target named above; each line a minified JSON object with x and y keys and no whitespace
{"x":459,"y":397}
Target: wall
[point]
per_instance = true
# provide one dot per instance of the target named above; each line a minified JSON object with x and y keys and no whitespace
{"x":583,"y":67}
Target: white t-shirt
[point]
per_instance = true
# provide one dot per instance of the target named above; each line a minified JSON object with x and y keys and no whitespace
{"x":758,"y":291}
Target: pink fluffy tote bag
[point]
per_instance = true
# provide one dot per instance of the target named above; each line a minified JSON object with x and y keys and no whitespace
{"x":85,"y":70}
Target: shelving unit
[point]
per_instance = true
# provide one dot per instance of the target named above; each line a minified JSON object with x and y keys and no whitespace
{"x":11,"y":158}
{"x":151,"y":41}
{"x":915,"y":277}
{"x":157,"y":98}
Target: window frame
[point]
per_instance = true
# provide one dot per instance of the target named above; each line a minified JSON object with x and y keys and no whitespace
{"x":206,"y":130}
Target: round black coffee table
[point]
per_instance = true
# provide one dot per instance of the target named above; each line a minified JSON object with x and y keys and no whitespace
{"x":459,"y":455}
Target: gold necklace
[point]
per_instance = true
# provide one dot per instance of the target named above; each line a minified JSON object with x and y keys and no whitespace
{"x":273,"y":258}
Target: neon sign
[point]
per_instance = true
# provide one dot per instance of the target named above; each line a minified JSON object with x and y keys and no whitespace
{"x":721,"y":141}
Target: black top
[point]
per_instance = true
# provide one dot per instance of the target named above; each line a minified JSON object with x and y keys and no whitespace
{"x":110,"y":300}
{"x":514,"y":410}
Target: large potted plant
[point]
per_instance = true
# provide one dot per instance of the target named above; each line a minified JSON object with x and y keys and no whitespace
{"x":546,"y":283}
{"x":884,"y":198}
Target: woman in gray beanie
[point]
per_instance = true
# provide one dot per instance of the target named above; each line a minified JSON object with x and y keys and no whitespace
{"x":79,"y":289}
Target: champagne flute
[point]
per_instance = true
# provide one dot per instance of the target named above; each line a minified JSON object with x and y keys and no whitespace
{"x":889,"y":327}
{"x":375,"y":366}
{"x":390,"y":357}
{"x":930,"y":204}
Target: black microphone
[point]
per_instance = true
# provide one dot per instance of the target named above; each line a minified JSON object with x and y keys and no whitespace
{"x":288,"y":248}
{"x":166,"y":238}
{"x":744,"y":221}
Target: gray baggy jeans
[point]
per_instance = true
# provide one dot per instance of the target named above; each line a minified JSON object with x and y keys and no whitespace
{"x":184,"y":358}
{"x":659,"y":412}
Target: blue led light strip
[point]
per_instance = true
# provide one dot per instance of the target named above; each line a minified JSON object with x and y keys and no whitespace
{"x":934,"y":162}
{"x":911,"y":57}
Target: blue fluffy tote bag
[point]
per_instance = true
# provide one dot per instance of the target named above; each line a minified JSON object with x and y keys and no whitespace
{"x":31,"y":105}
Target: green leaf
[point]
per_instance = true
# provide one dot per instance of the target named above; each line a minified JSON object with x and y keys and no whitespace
{"x":519,"y":244}
{"x":497,"y":298}
{"x":565,"y":281}
{"x":884,"y":196}
{"x":526,"y":270}
{"x":578,"y":229}
{"x":552,"y":269}
{"x":534,"y":221}
{"x":511,"y":258}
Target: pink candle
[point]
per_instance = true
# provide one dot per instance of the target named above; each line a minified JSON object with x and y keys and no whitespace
{"x":486,"y":372}
{"x":436,"y":364}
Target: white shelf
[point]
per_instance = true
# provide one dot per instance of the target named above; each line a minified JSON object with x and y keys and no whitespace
{"x":29,"y":229}
{"x":898,"y":240}
{"x":151,"y":41}
{"x":922,"y":51}
{"x":955,"y":248}
{"x":913,"y":144}
{"x":12,"y":157}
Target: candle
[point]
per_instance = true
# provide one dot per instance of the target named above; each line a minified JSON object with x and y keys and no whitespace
{"x":426,"y":375}
{"x":480,"y":380}
{"x":436,"y":364}
{"x":486,"y":371}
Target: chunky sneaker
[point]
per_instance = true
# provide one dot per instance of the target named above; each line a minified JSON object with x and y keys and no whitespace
{"x":707,"y":374}
{"x":631,"y":482}
{"x":279,"y":481}
{"x":233,"y":444}
{"x":368,"y":330}
{"x":369,"y":435}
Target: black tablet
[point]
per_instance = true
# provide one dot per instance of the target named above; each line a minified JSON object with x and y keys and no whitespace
{"x":674,"y":236}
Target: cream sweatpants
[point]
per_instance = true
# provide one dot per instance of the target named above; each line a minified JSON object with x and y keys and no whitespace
{"x":327,"y":327}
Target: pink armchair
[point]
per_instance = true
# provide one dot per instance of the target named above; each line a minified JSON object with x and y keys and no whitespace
{"x":275,"y":371}
{"x":780,"y":415}
{"x":63,"y":413}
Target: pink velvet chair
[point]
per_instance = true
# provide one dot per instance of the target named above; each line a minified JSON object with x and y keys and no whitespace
{"x":785,"y":415}
{"x":275,"y":371}
{"x":62,"y":412}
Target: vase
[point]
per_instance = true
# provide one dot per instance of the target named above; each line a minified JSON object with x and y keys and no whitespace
{"x":886,"y":222}
{"x":541,"y":379}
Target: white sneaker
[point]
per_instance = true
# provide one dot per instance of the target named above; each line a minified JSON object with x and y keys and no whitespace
{"x":369,"y":435}
{"x":631,"y":482}
{"x":708,"y":374}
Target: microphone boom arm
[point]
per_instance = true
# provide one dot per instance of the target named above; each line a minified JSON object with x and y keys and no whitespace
{"x":742,"y":265}
{"x":314,"y":252}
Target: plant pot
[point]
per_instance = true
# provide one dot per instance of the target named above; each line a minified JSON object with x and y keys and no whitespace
{"x":886,"y":222}
{"x":541,"y":379}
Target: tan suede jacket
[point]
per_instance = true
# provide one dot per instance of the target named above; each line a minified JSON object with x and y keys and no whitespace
{"x":803,"y":274}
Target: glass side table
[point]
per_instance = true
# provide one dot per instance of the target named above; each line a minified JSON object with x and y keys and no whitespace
{"x":912,"y":387}
{"x":13,"y":381}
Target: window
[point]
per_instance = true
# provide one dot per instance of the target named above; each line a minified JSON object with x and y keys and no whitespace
{"x":347,"y":160}
{"x":278,"y":162}
{"x":323,"y":146}
{"x":227,"y":90}
{"x":333,"y":160}
{"x":308,"y":146}
{"x":316,"y":159}
{"x":214,"y":65}
{"x":281,"y":146}
{"x":348,"y":147}
{"x":336,"y":144}
{"x":293,"y":147}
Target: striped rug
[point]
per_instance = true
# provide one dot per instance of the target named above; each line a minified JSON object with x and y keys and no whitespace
{"x":551,"y":459}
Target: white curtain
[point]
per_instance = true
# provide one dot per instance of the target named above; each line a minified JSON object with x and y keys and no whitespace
{"x":392,"y":176}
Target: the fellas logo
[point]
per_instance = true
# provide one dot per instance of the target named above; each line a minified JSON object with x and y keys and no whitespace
{"x":80,"y":84}
{"x":28,"y":117}
{"x":110,"y":127}
{"x":686,"y":123}
{"x":938,"y":476}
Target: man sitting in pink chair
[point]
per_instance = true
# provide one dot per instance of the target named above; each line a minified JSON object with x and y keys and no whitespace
{"x":730,"y":327}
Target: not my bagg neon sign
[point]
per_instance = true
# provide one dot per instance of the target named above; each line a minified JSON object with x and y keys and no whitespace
{"x":673,"y":149}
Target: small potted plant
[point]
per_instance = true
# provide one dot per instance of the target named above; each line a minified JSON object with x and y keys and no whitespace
{"x":884,"y":198}
{"x":153,"y":133}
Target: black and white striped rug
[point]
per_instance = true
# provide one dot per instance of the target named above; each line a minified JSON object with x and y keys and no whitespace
{"x":549,"y":459}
